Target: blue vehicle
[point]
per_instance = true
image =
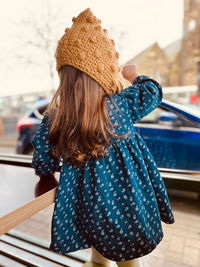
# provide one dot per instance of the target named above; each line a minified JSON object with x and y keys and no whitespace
{"x":171,"y":131}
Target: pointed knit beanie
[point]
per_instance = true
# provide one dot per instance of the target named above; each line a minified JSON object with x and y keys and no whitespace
{"x":88,"y":47}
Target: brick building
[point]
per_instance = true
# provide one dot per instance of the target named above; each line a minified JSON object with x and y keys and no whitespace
{"x":176,"y":64}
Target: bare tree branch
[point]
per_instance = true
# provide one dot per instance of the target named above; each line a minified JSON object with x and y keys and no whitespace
{"x":39,"y":39}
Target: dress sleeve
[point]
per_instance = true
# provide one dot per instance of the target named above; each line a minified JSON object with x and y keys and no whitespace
{"x":43,"y":161}
{"x":142,"y":97}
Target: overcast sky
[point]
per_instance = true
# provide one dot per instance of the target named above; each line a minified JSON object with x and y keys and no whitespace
{"x":142,"y":22}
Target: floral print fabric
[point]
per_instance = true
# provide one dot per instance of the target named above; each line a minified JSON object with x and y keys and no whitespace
{"x":115,"y":203}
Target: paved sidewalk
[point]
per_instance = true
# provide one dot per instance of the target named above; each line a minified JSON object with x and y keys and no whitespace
{"x":180,"y":246}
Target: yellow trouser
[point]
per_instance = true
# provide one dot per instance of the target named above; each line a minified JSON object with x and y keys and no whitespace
{"x":98,"y":258}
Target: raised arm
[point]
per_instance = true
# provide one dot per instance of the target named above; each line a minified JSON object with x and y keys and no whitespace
{"x":142,"y":97}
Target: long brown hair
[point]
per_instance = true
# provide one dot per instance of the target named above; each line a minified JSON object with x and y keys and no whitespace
{"x":79,"y":119}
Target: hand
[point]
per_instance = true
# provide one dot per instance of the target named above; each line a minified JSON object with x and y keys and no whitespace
{"x":129,"y":72}
{"x":45,"y":184}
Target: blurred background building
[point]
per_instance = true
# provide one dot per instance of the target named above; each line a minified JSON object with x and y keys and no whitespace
{"x":178,"y":64}
{"x":176,"y":67}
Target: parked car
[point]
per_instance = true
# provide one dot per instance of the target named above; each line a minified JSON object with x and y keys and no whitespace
{"x":171,"y":131}
{"x":28,"y":125}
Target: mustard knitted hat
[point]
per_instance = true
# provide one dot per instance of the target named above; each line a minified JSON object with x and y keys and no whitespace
{"x":87,"y":47}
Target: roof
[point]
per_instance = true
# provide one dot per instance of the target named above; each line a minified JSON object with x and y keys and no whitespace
{"x":172,"y":49}
{"x":144,"y":54}
{"x":141,"y":55}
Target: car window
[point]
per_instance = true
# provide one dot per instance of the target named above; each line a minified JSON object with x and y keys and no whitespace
{"x":172,"y":138}
{"x":152,"y":117}
{"x":163,"y":117}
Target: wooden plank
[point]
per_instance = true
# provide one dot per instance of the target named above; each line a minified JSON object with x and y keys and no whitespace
{"x":44,"y":253}
{"x":79,"y":255}
{"x":5,"y":261}
{"x":25,"y":257}
{"x":17,"y":216}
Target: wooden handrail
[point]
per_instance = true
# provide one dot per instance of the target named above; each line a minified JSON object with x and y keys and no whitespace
{"x":17,"y":216}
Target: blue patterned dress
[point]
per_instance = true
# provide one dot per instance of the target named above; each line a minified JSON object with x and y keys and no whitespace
{"x":115,"y":203}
